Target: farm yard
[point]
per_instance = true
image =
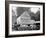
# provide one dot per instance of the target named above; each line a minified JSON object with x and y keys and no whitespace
{"x":26,"y":27}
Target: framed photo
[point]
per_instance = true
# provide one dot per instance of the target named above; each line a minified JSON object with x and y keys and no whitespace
{"x":24,"y":18}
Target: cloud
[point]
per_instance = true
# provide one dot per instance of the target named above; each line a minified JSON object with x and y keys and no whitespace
{"x":34,"y":10}
{"x":15,"y":11}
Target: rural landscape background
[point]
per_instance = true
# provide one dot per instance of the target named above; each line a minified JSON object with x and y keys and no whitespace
{"x":31,"y":14}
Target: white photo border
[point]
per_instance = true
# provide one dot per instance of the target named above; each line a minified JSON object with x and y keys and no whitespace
{"x":25,"y":32}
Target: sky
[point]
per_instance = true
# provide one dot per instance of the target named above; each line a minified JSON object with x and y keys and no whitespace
{"x":34,"y":10}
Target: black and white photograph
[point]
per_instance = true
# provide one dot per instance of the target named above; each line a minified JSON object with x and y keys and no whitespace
{"x":25,"y":19}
